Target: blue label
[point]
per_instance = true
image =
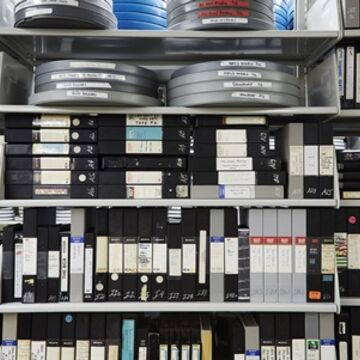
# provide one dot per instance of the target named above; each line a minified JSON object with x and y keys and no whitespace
{"x":328,"y":278}
{"x":8,"y":343}
{"x":252,"y":352}
{"x":217,"y":239}
{"x":144,"y":133}
{"x":77,"y":240}
{"x":128,"y":336}
{"x":68,"y":318}
{"x":327,"y":342}
{"x":221,"y":191}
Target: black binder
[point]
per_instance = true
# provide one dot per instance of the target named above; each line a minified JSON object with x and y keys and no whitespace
{"x":189,"y":254}
{"x":145,"y":254}
{"x":115,"y":254}
{"x":160,"y":268}
{"x":130,"y":254}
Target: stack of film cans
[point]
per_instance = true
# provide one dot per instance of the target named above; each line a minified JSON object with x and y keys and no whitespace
{"x":284,"y":14}
{"x":83,"y":14}
{"x":233,"y":161}
{"x":220,"y":14}
{"x":73,"y":82}
{"x":141,"y":14}
{"x":234,"y":83}
{"x":144,"y":157}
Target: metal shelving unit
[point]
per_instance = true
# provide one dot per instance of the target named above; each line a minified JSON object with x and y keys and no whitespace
{"x":162,"y":51}
{"x":167,"y":306}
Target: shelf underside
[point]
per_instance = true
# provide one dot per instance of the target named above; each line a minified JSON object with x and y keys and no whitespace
{"x":36,"y":45}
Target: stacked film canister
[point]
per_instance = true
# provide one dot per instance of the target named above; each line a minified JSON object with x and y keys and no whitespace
{"x":284,"y":14}
{"x":74,"y":82}
{"x":234,"y":83}
{"x":141,"y":14}
{"x":220,"y":14}
{"x":83,"y":14}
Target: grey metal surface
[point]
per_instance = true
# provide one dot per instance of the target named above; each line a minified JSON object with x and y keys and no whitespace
{"x":235,"y":98}
{"x":234,"y":74}
{"x":255,"y":9}
{"x":100,"y":66}
{"x":235,"y":64}
{"x":107,"y":85}
{"x":91,"y":97}
{"x":93,"y":75}
{"x":246,"y":85}
{"x":64,"y":17}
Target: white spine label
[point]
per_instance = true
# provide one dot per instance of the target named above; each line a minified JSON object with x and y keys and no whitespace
{"x":30,"y":256}
{"x":247,"y":84}
{"x":38,"y":350}
{"x":175,"y":262}
{"x":53,"y":264}
{"x":115,"y":257}
{"x":229,"y":20}
{"x":160,"y":258}
{"x":130,"y":258}
{"x":64,"y":263}
{"x":243,"y":63}
{"x":189,"y":258}
{"x":311,"y":160}
{"x":92,"y":65}
{"x":144,"y":120}
{"x":239,"y":74}
{"x":88,"y":276}
{"x":36,"y":12}
{"x":87,"y":94}
{"x":202,"y":257}
{"x":82,"y":75}
{"x":217,"y":259}
{"x":83,"y":85}
{"x":231,"y":256}
{"x":298,"y":349}
{"x":18,"y":270}
{"x":77,"y":255}
{"x":145,"y":258}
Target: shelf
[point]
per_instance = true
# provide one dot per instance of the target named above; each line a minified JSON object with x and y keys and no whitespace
{"x":167,"y":307}
{"x":349,"y":114}
{"x":30,"y":109}
{"x":350,"y":203}
{"x":170,"y":202}
{"x":352,"y":33}
{"x":350,"y":301}
{"x":300,"y":46}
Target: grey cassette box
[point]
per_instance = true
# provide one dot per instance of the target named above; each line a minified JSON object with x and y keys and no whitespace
{"x":256,"y":255}
{"x":285,"y":260}
{"x":217,"y":255}
{"x":299,"y":255}
{"x":15,"y":80}
{"x":293,"y":153}
{"x":270,"y":255}
{"x":77,"y":255}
